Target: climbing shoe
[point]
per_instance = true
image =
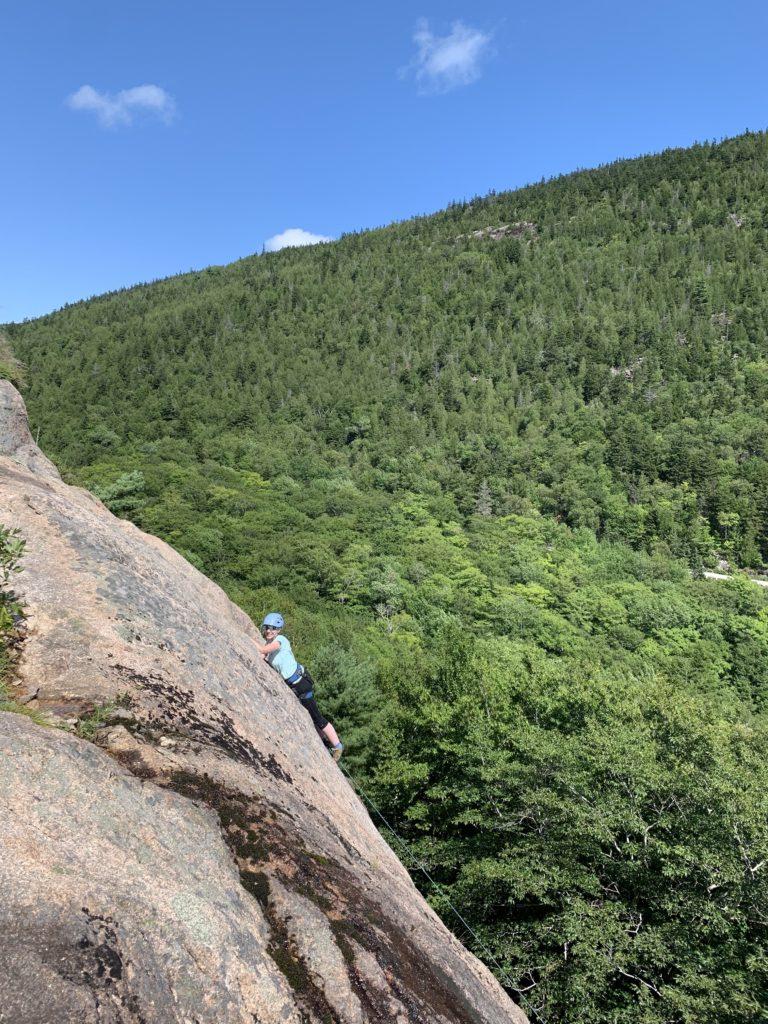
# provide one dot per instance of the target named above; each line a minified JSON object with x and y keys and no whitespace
{"x":337,"y":751}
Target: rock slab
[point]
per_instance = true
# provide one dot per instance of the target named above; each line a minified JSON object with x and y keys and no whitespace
{"x":198,"y":858}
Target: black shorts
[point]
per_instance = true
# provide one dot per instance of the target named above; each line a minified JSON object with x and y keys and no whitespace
{"x":302,"y":689}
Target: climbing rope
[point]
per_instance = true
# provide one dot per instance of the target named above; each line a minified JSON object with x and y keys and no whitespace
{"x":404,"y":845}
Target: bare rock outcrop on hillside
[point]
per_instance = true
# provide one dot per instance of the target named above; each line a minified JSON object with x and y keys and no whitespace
{"x":499,"y":231}
{"x":203,"y":861}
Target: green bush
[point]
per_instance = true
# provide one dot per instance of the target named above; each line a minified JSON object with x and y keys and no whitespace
{"x":11,"y":611}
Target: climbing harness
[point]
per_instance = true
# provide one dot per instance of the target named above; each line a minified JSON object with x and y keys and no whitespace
{"x":297,"y":675}
{"x":404,"y":845}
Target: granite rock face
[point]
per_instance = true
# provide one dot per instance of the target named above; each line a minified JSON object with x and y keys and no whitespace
{"x":200,"y":859}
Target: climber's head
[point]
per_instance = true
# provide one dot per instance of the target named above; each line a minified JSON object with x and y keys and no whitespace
{"x":272,"y":623}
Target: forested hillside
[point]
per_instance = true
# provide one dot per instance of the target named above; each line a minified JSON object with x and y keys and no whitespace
{"x":478,"y":459}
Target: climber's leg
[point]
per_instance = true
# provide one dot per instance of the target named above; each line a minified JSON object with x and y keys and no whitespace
{"x":305,"y":693}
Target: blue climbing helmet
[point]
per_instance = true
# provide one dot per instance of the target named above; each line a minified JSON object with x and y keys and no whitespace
{"x":274,"y":619}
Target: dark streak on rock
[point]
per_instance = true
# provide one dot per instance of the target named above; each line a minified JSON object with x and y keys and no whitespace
{"x":100,"y":966}
{"x":260,"y":846}
{"x":177,"y":707}
{"x":309,"y":997}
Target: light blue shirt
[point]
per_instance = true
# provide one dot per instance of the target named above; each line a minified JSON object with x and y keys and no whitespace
{"x":283,"y":660}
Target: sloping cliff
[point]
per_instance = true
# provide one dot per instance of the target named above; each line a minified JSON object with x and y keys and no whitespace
{"x":202,"y":860}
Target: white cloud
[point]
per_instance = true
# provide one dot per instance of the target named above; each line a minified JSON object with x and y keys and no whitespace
{"x":122,"y":107}
{"x":446,"y":62}
{"x":293,"y":236}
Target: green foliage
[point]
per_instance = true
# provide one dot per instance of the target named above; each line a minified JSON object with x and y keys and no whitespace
{"x":124,"y":495}
{"x":432,"y":358}
{"x":10,"y":367}
{"x":605,"y":833}
{"x":11,"y":614}
{"x":89,"y":724}
{"x":11,"y":550}
{"x":476,"y":473}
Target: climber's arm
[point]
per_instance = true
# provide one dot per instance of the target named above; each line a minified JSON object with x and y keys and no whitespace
{"x":264,"y":649}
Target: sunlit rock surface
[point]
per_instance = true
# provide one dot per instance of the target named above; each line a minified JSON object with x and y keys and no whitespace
{"x":201,"y":860}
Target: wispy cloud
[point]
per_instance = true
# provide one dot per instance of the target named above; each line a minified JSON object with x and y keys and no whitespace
{"x":293,"y":236}
{"x":447,"y":62}
{"x":123,"y":107}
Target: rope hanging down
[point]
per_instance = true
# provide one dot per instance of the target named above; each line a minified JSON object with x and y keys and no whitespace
{"x":404,"y":845}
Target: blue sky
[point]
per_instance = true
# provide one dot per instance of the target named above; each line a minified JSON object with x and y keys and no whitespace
{"x":147,"y":139}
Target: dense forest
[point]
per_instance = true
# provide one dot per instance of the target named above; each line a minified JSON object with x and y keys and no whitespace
{"x":479,"y":460}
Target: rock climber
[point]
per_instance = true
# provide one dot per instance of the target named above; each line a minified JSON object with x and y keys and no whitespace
{"x":277,"y":652}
